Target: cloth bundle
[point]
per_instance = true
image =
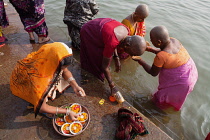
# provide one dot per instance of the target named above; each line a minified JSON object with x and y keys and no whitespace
{"x":130,"y":125}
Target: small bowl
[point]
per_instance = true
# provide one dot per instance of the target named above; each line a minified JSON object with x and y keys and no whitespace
{"x":76,"y":108}
{"x":67,"y":119}
{"x":65,"y":129}
{"x":83,"y":116}
{"x":76,"y":127}
{"x":59,"y":121}
{"x":85,"y":124}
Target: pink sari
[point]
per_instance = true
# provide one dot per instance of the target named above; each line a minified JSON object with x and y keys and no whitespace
{"x":175,"y":84}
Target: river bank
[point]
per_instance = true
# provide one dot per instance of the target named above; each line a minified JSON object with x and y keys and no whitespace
{"x":18,"y":122}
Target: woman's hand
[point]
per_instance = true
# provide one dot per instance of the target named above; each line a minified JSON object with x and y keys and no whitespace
{"x":148,"y":44}
{"x":149,"y":49}
{"x":79,"y":91}
{"x":117,"y":64}
{"x":113,"y":88}
{"x":136,"y":58}
{"x":73,"y":116}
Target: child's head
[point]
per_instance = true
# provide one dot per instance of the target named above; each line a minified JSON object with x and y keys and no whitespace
{"x":135,"y":45}
{"x":159,"y":36}
{"x":141,"y":12}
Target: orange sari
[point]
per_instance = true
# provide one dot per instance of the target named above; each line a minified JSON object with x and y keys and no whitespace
{"x":139,"y":30}
{"x":33,"y":76}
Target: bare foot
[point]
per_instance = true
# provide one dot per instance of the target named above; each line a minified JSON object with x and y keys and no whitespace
{"x":44,"y":40}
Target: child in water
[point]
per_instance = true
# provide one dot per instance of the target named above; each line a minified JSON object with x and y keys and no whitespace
{"x":136,"y":24}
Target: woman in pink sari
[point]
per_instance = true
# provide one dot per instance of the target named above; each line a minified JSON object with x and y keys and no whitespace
{"x":177,"y":70}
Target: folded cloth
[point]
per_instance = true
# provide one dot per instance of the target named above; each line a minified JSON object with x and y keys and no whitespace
{"x":130,"y":125}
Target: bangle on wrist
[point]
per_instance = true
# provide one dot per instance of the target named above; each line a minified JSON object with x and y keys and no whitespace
{"x":56,"y":111}
{"x":111,"y":85}
{"x":67,"y":111}
{"x":70,"y":79}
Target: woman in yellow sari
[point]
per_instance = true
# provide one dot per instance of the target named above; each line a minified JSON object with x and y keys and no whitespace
{"x":135,"y":22}
{"x":37,"y":77}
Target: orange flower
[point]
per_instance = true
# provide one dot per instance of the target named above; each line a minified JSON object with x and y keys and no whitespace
{"x":76,"y":127}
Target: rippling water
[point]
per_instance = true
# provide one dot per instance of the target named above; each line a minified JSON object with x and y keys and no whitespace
{"x":186,"y":20}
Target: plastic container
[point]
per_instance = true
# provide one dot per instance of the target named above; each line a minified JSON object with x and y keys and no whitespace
{"x":119,"y":98}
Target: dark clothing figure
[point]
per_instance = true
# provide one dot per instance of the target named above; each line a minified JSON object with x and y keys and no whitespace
{"x":32,"y":15}
{"x":76,"y":14}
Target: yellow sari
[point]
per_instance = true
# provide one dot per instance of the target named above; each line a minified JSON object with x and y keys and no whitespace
{"x":34,"y":76}
{"x":140,"y":28}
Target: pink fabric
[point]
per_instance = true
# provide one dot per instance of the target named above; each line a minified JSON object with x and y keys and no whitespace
{"x":175,"y":84}
{"x":208,"y":137}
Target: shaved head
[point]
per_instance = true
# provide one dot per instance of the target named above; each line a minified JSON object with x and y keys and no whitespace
{"x":137,"y":45}
{"x":159,"y":33}
{"x":142,"y":10}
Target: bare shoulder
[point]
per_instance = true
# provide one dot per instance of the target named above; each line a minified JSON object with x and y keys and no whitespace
{"x":129,"y":18}
{"x":120,"y":32}
{"x":175,"y":45}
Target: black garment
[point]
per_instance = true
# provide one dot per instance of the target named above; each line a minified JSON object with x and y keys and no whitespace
{"x":76,"y":14}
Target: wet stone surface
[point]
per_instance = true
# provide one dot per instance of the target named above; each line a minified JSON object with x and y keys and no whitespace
{"x":17,"y":122}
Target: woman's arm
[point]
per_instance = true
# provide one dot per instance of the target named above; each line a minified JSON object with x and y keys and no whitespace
{"x":153,"y":70}
{"x":117,"y":61}
{"x":105,"y":65}
{"x":153,"y":50}
{"x":67,"y":75}
{"x":45,"y":108}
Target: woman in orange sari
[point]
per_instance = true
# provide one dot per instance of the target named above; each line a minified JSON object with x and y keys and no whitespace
{"x":36,"y":77}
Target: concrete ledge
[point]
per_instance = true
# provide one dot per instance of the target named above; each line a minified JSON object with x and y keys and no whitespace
{"x":18,"y":122}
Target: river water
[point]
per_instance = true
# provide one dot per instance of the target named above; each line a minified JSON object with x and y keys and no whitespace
{"x":186,"y":20}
